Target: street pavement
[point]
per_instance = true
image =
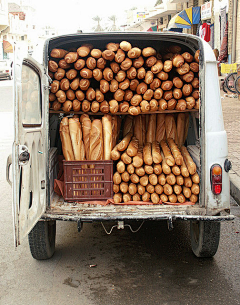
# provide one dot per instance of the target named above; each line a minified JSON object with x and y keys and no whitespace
{"x":152,"y":266}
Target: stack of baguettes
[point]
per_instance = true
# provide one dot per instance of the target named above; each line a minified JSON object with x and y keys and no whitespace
{"x":83,"y":139}
{"x":152,"y":162}
{"x":123,"y":78}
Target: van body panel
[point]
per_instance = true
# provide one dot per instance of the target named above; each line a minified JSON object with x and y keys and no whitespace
{"x":29,"y":147}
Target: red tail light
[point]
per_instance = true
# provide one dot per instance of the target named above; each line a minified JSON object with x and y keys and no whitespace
{"x":7,"y":70}
{"x":216,"y":179}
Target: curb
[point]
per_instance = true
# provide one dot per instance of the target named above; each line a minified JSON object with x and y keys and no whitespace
{"x":235,"y":186}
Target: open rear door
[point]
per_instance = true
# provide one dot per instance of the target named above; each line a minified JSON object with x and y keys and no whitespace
{"x":29,"y":147}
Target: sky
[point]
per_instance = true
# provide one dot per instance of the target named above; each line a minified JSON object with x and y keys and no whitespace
{"x":71,"y":15}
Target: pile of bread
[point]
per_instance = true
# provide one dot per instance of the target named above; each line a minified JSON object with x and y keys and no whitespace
{"x":153,"y":164}
{"x":123,"y":79}
{"x":86,"y":139}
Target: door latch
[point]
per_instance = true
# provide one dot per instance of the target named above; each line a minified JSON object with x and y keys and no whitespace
{"x":24,"y":155}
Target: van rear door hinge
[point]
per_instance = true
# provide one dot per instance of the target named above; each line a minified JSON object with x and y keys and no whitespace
{"x":46,"y":87}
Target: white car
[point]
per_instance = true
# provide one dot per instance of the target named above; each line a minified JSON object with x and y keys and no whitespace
{"x":5,"y":69}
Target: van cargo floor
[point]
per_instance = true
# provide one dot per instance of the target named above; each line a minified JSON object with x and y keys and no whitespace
{"x":61,"y":210}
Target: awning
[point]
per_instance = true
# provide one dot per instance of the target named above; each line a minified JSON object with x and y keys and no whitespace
{"x":153,"y":29}
{"x":185,"y":18}
{"x":7,"y":47}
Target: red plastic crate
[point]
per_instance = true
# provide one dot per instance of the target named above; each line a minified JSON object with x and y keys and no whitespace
{"x":88,"y":180}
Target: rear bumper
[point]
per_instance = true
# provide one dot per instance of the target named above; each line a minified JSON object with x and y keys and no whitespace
{"x":61,"y":210}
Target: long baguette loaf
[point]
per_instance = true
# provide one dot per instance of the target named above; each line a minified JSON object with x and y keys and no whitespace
{"x":186,"y":127}
{"x":133,"y":147}
{"x":147,"y":154}
{"x":125,"y":141}
{"x":76,"y":138}
{"x":171,"y":129}
{"x":96,"y":140}
{"x":128,"y":125}
{"x":66,"y":140}
{"x":107,"y":136}
{"x":167,"y":153}
{"x":175,"y":151}
{"x":156,"y":152}
{"x":151,"y":130}
{"x":115,"y":154}
{"x":138,"y":128}
{"x":165,"y":167}
{"x":161,"y":130}
{"x":114,"y":130}
{"x":191,"y":166}
{"x":86,"y":128}
{"x":138,"y":159}
{"x":181,"y":128}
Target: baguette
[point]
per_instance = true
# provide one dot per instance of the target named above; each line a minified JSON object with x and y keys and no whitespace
{"x":140,"y":171}
{"x":144,"y":180}
{"x":132,"y":189}
{"x":156,"y":153}
{"x":153,"y":179}
{"x":168,"y":190}
{"x":175,"y":151}
{"x":160,"y":131}
{"x":164,"y":198}
{"x":186,"y":127}
{"x":124,"y":187}
{"x":171,"y":179}
{"x":162,"y":179}
{"x":195,"y":178}
{"x":114,"y":130}
{"x":151,"y":130}
{"x":188,"y":182}
{"x":107,"y":136}
{"x":181,"y":198}
{"x":191,"y":166}
{"x":176,"y":170}
{"x":138,"y":159}
{"x":147,"y":154}
{"x":136,"y":197}
{"x":86,"y":128}
{"x":116,"y":188}
{"x":177,"y":189}
{"x":128,"y":125}
{"x":125,"y":141}
{"x":180,"y":128}
{"x":172,"y":198}
{"x":195,"y":189}
{"x":158,"y":189}
{"x":138,"y":126}
{"x":184,"y":170}
{"x":130,"y":169}
{"x":125,"y":158}
{"x":146,"y":197}
{"x":150,"y":188}
{"x":148,"y":169}
{"x":171,"y":129}
{"x":125,"y":177}
{"x":157,"y":169}
{"x":120,"y":167}
{"x":76,"y":138}
{"x":134,"y":178}
{"x":187,"y":192}
{"x":141,"y":189}
{"x":66,"y":140}
{"x":133,"y":147}
{"x":193,"y":198}
{"x":127,"y":197}
{"x":96,"y":141}
{"x":167,"y":153}
{"x":180,"y":180}
{"x":115,"y":154}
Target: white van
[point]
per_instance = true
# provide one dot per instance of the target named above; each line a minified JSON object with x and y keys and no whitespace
{"x":36,"y":148}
